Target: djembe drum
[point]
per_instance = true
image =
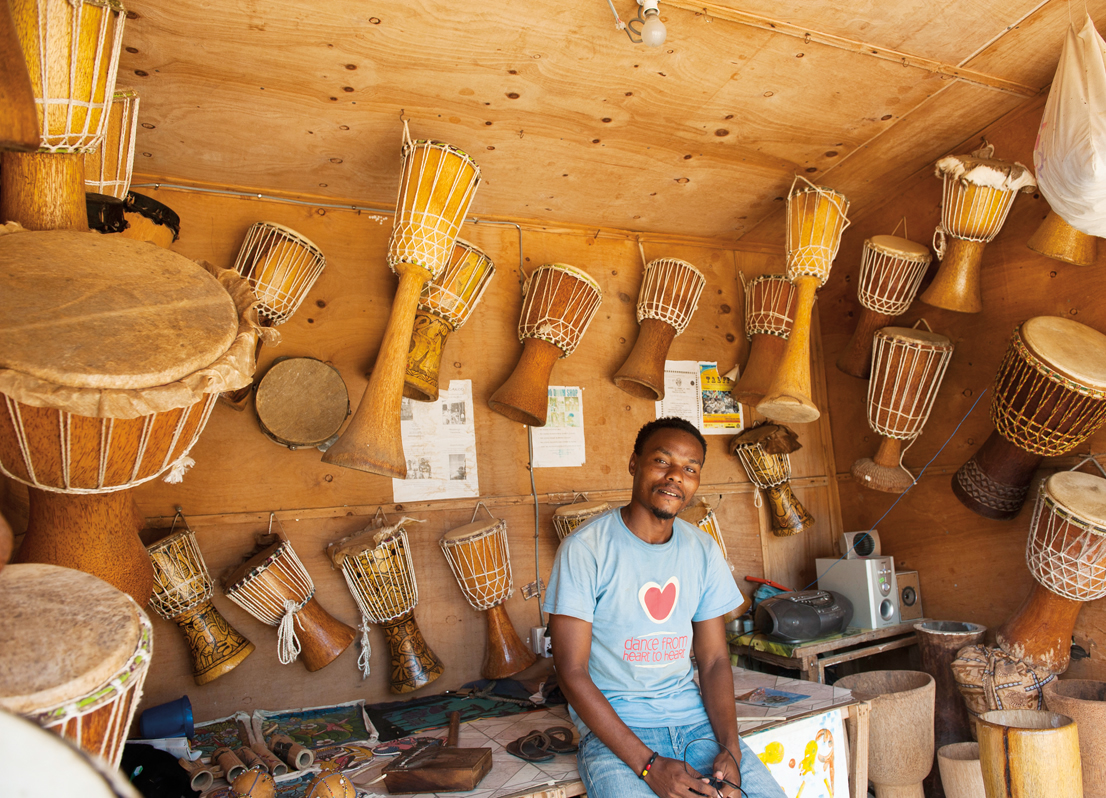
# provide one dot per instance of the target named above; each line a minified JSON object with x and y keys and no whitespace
{"x":281,"y":266}
{"x":559,"y":305}
{"x":570,"y":517}
{"x":436,"y":188}
{"x":816,"y":218}
{"x":769,"y":312}
{"x":182,"y":594}
{"x":1049,"y":396}
{"x":1057,"y":239}
{"x":477,"y":554}
{"x":76,"y":653}
{"x":702,"y":515}
{"x":765,"y":452}
{"x":301,"y":402}
{"x":908,"y":366}
{"x":1066,"y":553}
{"x":891,"y":270}
{"x":71,"y":48}
{"x":111,"y":356}
{"x":378,"y":569}
{"x":274,"y":587}
{"x":445,"y":305}
{"x":668,"y":297}
{"x":108,"y":169}
{"x":977,"y":195}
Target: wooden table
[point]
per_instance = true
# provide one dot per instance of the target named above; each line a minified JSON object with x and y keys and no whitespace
{"x":811,"y":659}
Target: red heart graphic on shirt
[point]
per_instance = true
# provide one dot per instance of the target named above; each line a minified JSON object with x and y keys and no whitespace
{"x":658,"y":602}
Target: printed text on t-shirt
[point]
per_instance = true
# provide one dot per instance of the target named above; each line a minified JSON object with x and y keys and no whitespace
{"x":656,"y":649}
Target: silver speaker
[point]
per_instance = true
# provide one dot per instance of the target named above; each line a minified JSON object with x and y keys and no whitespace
{"x":869,"y":584}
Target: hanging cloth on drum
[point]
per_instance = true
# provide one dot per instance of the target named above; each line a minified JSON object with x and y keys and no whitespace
{"x":366,"y":649}
{"x":288,"y":645}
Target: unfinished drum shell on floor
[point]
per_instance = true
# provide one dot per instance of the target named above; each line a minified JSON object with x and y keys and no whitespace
{"x":302,"y":402}
{"x":1084,"y":701}
{"x":76,"y":654}
{"x":1027,"y":753}
{"x":961,"y":774}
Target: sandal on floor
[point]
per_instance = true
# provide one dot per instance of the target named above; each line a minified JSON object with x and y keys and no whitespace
{"x":534,"y":747}
{"x":561,"y":740}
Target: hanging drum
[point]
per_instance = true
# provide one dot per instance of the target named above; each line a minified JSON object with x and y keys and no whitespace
{"x":108,"y":169}
{"x":112,"y":354}
{"x":765,"y":452}
{"x":560,"y":303}
{"x":76,"y":654}
{"x":668,"y":297}
{"x":769,"y":313}
{"x":1049,"y":396}
{"x":445,"y":305}
{"x":891,"y":269}
{"x":570,"y":517}
{"x":907,"y":370}
{"x":437,"y":185}
{"x":478,"y":555}
{"x":274,"y":587}
{"x":302,"y":402}
{"x":378,"y":569}
{"x":1057,"y":239}
{"x":182,"y":594}
{"x":702,"y":515}
{"x":978,"y":194}
{"x":816,"y":218}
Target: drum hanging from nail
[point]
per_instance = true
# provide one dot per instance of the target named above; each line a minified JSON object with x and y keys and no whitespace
{"x":765,"y":453}
{"x":891,"y":269}
{"x":108,"y":169}
{"x":281,"y":266}
{"x":907,"y":369}
{"x":769,"y":313}
{"x":301,"y":402}
{"x":274,"y":587}
{"x":76,"y":654}
{"x":478,"y":555}
{"x":1049,"y":396}
{"x":570,"y":517}
{"x":445,"y":305}
{"x":669,"y":294}
{"x":376,"y":564}
{"x":182,"y":594}
{"x":702,"y":515}
{"x":560,"y":303}
{"x":978,"y":192}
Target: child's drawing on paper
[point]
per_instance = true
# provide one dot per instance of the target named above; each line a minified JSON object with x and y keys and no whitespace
{"x":801,"y":755}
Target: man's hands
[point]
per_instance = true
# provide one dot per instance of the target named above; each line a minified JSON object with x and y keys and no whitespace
{"x":669,"y":778}
{"x":726,"y":768}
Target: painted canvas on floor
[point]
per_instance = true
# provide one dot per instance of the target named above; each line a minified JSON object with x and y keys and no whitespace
{"x":809,"y":757}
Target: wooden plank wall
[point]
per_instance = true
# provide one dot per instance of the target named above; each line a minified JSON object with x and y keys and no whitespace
{"x":240,"y":476}
{"x":971,"y":568}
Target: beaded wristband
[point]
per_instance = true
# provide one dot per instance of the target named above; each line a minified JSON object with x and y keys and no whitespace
{"x":648,"y":765}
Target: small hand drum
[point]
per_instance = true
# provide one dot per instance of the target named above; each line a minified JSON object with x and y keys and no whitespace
{"x":1049,"y":396}
{"x":76,"y":654}
{"x":477,"y":554}
{"x":445,"y":305}
{"x":302,"y":402}
{"x":765,"y":451}
{"x":560,"y":303}
{"x":769,"y":312}
{"x":281,"y":265}
{"x":978,"y":194}
{"x":570,"y":517}
{"x":669,"y":294}
{"x":378,"y":570}
{"x":274,"y":587}
{"x":182,"y":594}
{"x":108,"y":170}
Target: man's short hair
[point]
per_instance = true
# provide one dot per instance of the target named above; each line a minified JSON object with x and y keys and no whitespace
{"x":668,"y":422}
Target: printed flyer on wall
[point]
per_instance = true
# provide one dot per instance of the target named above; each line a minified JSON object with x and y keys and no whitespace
{"x":560,"y":442}
{"x":721,"y":412}
{"x":439,"y":442}
{"x":696,"y":392}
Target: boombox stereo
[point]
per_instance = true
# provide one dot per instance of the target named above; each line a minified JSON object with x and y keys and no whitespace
{"x":869,"y":584}
{"x":803,"y":615}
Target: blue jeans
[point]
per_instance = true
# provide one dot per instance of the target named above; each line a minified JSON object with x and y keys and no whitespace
{"x":606,"y":776}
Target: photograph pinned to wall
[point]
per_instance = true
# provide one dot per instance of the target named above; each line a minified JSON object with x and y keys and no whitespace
{"x":439,"y":442}
{"x":808,"y":756}
{"x":560,"y":443}
{"x":696,"y":392}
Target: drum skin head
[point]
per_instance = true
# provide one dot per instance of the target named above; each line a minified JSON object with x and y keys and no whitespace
{"x":1074,"y":349}
{"x":1083,"y":495}
{"x":910,"y":335}
{"x":243,"y":570}
{"x":90,"y":311}
{"x":696,"y":513}
{"x":470,"y":530}
{"x":65,"y":633}
{"x":581,"y":508}
{"x":301,"y":401}
{"x":898,"y":247}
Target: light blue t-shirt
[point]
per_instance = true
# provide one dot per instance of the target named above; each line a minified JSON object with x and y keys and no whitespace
{"x":641,"y":600}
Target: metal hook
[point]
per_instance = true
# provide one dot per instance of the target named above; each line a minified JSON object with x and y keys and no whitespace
{"x":477,"y":510}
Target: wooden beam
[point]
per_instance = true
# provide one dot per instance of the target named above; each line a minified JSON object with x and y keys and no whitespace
{"x":861,"y":48}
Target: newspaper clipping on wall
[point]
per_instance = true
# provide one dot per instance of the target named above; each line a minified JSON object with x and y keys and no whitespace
{"x":439,"y":442}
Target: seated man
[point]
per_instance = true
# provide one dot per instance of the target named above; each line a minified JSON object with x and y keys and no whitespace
{"x":633,"y":593}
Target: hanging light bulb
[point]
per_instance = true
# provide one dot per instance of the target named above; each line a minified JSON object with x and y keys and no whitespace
{"x":653,"y":31}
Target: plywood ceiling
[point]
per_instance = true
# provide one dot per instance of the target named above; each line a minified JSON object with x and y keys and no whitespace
{"x":570,"y":122}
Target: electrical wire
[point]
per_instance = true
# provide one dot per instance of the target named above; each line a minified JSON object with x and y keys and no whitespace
{"x":537,"y":526}
{"x":900,"y":498}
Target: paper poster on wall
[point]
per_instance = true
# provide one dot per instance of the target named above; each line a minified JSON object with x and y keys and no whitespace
{"x":696,"y":392}
{"x":808,"y":756}
{"x":560,"y":443}
{"x":439,"y":442}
